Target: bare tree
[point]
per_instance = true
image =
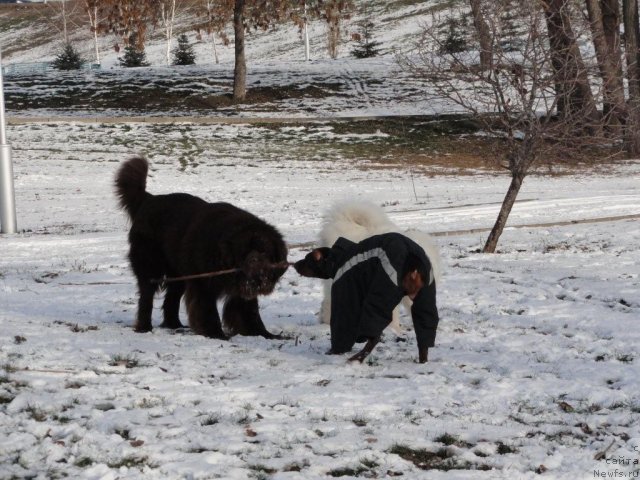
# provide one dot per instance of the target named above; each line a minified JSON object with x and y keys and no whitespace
{"x":210,"y":25}
{"x":128,"y":19}
{"x":611,"y":26}
{"x":516,"y":100}
{"x":240,"y":68}
{"x":332,"y":16}
{"x":92,"y":8}
{"x":167,"y":15}
{"x":248,"y":15}
{"x":60,"y":15}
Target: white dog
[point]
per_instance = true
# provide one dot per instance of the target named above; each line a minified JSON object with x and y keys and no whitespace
{"x":357,"y":220}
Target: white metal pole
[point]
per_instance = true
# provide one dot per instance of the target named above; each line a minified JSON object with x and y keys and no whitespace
{"x":7,"y":194}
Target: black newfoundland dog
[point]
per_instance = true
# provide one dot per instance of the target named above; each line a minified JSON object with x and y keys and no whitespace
{"x":178,"y":235}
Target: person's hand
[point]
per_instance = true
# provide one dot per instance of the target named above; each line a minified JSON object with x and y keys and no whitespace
{"x":423,"y":355}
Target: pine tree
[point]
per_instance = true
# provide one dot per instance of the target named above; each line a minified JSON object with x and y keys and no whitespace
{"x":68,"y":59}
{"x":366,"y":46}
{"x":183,"y":54}
{"x":454,"y":41}
{"x":133,"y":57}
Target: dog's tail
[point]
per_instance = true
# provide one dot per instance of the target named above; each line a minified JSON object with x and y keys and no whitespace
{"x":355,"y":220}
{"x":131,"y":182}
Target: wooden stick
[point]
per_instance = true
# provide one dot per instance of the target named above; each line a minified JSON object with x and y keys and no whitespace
{"x":218,"y":273}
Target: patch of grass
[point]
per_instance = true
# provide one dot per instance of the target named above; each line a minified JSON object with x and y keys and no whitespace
{"x":262,"y":469}
{"x":74,"y":384}
{"x":293,"y":467}
{"x":369,"y":463}
{"x":427,"y":460}
{"x":127,"y":361}
{"x":7,"y":367}
{"x":129,"y":462}
{"x":617,"y":406}
{"x":6,"y":398}
{"x":149,"y":403}
{"x":504,"y":449}
{"x":360,"y":420}
{"x":449,"y":439}
{"x":243,"y":419}
{"x":83,"y":462}
{"x":347,"y":471}
{"x":36,"y":413}
{"x":211,"y":419}
{"x":625,"y":358}
{"x":123,"y":432}
{"x":63,"y":419}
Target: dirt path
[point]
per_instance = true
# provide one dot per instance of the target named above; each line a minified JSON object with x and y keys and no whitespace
{"x":452,"y":233}
{"x":163,"y":120}
{"x":538,"y":225}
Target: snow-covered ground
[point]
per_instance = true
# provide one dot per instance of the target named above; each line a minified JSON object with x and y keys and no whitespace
{"x":535,"y":372}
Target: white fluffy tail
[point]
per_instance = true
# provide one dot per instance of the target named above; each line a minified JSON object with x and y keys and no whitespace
{"x":354,"y":220}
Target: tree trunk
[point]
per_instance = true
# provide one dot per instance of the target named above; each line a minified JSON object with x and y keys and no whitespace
{"x":212,"y":37}
{"x":240,"y":71}
{"x":631,"y":34}
{"x":505,"y":210}
{"x":333,"y":33}
{"x":168,"y":16}
{"x":484,"y":35}
{"x":64,"y":23}
{"x":613,"y":95}
{"x":92,"y":11}
{"x":572,"y":81}
{"x":611,"y":25}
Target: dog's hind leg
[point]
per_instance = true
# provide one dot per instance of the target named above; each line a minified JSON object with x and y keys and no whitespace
{"x":145,"y":305}
{"x":242,"y":317}
{"x":171,"y":305}
{"x":203,"y":311}
{"x":395,"y":322}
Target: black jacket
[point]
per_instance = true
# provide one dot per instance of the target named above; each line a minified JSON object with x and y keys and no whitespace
{"x":367,"y":287}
